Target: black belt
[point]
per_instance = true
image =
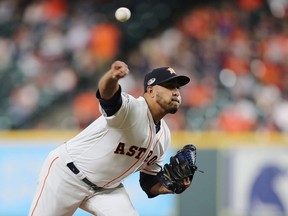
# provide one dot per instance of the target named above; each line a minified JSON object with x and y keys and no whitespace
{"x":75,"y":170}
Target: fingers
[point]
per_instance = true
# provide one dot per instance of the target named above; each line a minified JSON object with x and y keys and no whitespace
{"x":119,"y":70}
{"x":186,"y":182}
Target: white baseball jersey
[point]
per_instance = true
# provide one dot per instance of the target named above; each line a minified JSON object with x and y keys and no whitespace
{"x":112,"y":148}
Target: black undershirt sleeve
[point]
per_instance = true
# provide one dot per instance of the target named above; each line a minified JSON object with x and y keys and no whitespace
{"x":112,"y":105}
{"x":147,"y":182}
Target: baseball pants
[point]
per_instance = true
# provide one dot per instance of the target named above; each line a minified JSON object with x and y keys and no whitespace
{"x":59,"y":193}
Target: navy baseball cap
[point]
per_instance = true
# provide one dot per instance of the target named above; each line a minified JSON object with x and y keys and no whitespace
{"x":162,"y":75}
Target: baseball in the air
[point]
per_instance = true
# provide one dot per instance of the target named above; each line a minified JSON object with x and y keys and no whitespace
{"x":123,"y":14}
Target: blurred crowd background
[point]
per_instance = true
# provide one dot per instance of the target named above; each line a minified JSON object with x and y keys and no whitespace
{"x":53,"y":52}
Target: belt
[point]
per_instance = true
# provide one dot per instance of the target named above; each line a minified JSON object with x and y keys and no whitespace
{"x":76,"y":171}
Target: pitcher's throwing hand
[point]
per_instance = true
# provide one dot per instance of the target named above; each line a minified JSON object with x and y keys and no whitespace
{"x":119,"y":70}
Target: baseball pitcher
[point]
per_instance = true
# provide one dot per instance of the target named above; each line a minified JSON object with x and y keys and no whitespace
{"x":86,"y":172}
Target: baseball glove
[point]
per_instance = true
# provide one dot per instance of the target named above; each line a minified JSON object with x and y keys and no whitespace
{"x":181,"y":166}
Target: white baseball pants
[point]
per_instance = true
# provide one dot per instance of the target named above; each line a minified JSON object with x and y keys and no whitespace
{"x":59,"y":193}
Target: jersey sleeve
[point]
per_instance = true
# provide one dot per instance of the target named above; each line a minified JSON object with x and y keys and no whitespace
{"x":147,"y":182}
{"x":126,"y":114}
{"x":111,"y":106}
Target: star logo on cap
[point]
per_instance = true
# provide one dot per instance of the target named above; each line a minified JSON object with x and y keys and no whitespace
{"x":171,"y":70}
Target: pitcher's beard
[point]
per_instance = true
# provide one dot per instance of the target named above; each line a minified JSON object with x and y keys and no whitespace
{"x":170,"y":107}
{"x":172,"y":110}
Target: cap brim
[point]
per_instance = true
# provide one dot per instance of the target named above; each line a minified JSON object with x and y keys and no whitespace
{"x":181,"y":80}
